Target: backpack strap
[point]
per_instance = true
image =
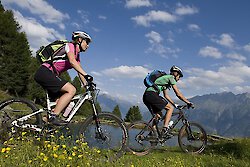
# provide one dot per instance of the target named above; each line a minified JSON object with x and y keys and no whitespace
{"x":52,"y":58}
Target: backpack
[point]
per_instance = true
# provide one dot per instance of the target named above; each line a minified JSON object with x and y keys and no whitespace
{"x":151,"y":77}
{"x":47,"y":53}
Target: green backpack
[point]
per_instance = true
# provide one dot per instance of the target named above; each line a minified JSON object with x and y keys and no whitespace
{"x":48,"y":53}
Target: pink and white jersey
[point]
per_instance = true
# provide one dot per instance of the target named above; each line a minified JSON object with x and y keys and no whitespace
{"x":64,"y":64}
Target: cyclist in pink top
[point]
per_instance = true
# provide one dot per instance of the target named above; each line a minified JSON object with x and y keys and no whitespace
{"x":48,"y":75}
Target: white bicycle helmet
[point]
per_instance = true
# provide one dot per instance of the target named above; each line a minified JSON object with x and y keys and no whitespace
{"x":176,"y":69}
{"x":81,"y":34}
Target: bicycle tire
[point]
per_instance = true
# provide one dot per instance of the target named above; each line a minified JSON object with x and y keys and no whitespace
{"x":195,"y":142}
{"x":115,"y":134}
{"x":12,"y":109}
{"x":139,"y":144}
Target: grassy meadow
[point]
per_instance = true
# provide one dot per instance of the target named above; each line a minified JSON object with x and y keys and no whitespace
{"x":28,"y":150}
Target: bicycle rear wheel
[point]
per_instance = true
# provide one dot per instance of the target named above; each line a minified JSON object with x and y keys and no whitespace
{"x":192,"y":138}
{"x":107,"y":133}
{"x":12,"y":109}
{"x":142,"y":138}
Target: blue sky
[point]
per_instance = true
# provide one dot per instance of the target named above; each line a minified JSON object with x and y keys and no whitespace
{"x":209,"y":40}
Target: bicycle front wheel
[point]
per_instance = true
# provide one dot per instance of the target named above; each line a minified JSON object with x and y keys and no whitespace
{"x":192,"y":138}
{"x":105,"y":132}
{"x":142,"y":138}
{"x":12,"y":109}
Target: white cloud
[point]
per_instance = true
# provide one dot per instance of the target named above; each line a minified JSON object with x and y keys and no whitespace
{"x":154,"y":37}
{"x":247,"y":47}
{"x":185,"y":10}
{"x":126,"y":72}
{"x":236,"y":56}
{"x":37,"y":34}
{"x":193,"y":27}
{"x":156,"y":46}
{"x":235,"y":74}
{"x":154,"y":16}
{"x":84,"y":16}
{"x":137,"y":3}
{"x":225,"y":40}
{"x":210,"y":51}
{"x":102,"y":17}
{"x":42,"y":9}
{"x":241,"y":89}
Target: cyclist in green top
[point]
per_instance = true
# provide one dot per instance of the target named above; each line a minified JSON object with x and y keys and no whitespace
{"x":157,"y":103}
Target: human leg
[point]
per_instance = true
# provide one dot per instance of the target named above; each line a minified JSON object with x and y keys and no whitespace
{"x":169,"y":109}
{"x":69,"y":91}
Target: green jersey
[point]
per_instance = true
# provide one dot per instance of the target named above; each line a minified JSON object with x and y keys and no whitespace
{"x":164,"y":82}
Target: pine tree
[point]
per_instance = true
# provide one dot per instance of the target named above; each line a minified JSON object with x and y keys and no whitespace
{"x":65,"y":75}
{"x":35,"y":91}
{"x":77,"y":83}
{"x":15,"y":56}
{"x":117,"y":111}
{"x":133,"y":114}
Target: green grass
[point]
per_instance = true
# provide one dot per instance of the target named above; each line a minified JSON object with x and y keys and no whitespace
{"x":28,"y":150}
{"x":31,"y":151}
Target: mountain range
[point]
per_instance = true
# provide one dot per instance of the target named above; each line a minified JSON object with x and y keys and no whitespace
{"x":224,"y":114}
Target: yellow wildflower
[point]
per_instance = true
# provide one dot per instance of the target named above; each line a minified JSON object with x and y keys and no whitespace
{"x":23,"y":133}
{"x":54,"y":148}
{"x":84,"y":144}
{"x":3,"y":150}
{"x":64,"y":146}
{"x":55,"y":155}
{"x":73,"y":154}
{"x":45,"y":158}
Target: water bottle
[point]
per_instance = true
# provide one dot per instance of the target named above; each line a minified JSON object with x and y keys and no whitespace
{"x":68,"y":109}
{"x":170,"y":123}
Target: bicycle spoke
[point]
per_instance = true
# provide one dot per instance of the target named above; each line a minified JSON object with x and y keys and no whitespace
{"x":192,"y":140}
{"x":141,"y":138}
{"x":13,"y":109}
{"x":110,"y":136}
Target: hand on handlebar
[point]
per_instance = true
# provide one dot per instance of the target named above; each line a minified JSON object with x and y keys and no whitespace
{"x":176,"y":106}
{"x":88,"y":78}
{"x":190,"y":105}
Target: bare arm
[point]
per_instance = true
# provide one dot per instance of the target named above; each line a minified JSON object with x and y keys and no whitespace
{"x":77,"y":66}
{"x":165,"y":93}
{"x":179,"y":94}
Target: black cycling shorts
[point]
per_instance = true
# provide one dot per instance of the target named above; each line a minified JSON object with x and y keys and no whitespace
{"x":49,"y":81}
{"x":154,"y":101}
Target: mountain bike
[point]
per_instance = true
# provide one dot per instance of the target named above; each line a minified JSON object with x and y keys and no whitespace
{"x":192,"y":138}
{"x":102,"y":129}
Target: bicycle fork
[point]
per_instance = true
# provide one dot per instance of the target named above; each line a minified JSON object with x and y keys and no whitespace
{"x":190,"y":135}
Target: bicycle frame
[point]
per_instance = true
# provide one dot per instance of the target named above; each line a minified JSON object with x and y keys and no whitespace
{"x":181,"y":116}
{"x":81,"y":99}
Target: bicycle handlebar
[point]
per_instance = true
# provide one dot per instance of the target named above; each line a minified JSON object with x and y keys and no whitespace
{"x":181,"y":107}
{"x":91,"y":86}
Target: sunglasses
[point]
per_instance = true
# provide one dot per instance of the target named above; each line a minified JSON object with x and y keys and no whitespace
{"x":87,"y":41}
